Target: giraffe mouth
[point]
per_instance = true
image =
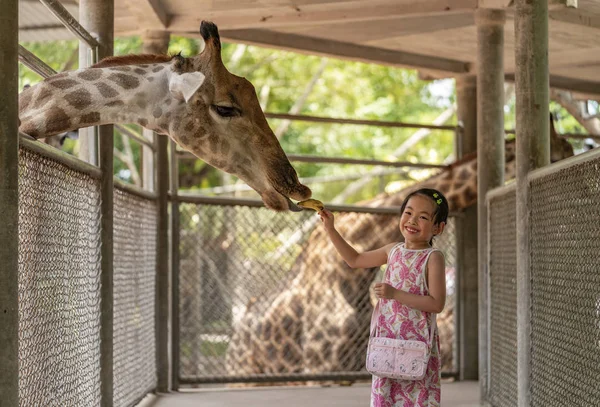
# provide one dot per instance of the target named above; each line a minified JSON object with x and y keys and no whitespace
{"x":292,"y":206}
{"x":277,"y":201}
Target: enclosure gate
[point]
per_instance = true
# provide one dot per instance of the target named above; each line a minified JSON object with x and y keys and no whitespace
{"x":565,"y":287}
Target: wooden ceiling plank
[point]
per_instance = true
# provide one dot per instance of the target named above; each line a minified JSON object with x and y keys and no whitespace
{"x":344,"y":50}
{"x":384,"y":29}
{"x":340,"y":12}
{"x":575,"y":17}
{"x":150,"y":13}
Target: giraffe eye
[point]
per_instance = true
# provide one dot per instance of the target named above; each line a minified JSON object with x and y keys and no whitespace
{"x":226,"y":111}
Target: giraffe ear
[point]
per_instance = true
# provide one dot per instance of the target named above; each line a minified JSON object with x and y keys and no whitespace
{"x":184,"y":86}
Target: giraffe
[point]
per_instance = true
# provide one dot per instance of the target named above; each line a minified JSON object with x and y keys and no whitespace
{"x":195,"y":101}
{"x":319,"y":323}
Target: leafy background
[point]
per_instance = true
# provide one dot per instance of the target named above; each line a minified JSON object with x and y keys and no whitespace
{"x":340,"y":89}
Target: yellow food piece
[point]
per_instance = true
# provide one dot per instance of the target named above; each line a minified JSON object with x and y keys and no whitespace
{"x":312,"y":204}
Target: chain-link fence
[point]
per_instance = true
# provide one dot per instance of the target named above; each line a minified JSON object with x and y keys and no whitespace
{"x":265,"y":295}
{"x":60,"y":288}
{"x":502,"y":299}
{"x":564,"y":328}
{"x":565,"y":286}
{"x":59,"y":278}
{"x":135,"y":221}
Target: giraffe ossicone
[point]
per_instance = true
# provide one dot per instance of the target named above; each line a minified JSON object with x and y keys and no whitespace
{"x":195,"y":101}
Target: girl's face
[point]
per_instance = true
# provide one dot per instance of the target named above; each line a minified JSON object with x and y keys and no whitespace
{"x":417,"y":222}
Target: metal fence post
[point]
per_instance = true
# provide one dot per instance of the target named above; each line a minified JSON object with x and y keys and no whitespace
{"x":533,"y":151}
{"x":162,"y":267}
{"x":466,"y":315}
{"x":9,"y":181}
{"x":490,"y":153}
{"x":97,"y":16}
{"x":175,"y":225}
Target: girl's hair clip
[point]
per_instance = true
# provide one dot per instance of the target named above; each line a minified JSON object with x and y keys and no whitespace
{"x":439,"y":201}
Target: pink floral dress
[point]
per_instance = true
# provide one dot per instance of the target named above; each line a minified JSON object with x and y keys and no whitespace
{"x":406,"y":271}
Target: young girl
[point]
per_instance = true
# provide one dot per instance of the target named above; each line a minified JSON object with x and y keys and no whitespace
{"x":414,"y":287}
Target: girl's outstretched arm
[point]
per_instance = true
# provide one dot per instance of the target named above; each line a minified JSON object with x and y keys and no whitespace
{"x":436,"y":281}
{"x":373,"y":258}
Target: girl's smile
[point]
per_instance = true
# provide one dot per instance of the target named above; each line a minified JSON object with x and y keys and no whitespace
{"x":417,"y":222}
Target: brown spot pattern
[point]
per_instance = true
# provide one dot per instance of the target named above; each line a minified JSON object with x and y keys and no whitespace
{"x":79,"y":98}
{"x":115,"y":103}
{"x":157,"y":112}
{"x":225,"y":147}
{"x":89,"y":118}
{"x":25,"y":99}
{"x":465,"y":174}
{"x":124,"y":81}
{"x":106,"y":90}
{"x":158,"y":68}
{"x":213,"y":142}
{"x":57,"y":121}
{"x":90,"y":74}
{"x":189,"y":126}
{"x":141,"y":103}
{"x":121,"y":68}
{"x":42,"y":97}
{"x":143,"y":122}
{"x":139,"y":71}
{"x":63,"y":83}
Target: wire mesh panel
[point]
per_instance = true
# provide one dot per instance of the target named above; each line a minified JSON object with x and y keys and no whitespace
{"x":135,"y":221}
{"x":59,"y":284}
{"x":503,"y":300}
{"x":265,"y":293}
{"x":565,"y":284}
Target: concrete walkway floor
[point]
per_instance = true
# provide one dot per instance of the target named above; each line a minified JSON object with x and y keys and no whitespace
{"x":457,"y":394}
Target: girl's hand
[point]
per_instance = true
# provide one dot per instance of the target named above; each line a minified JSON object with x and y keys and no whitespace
{"x":386,"y":291}
{"x":327,"y":218}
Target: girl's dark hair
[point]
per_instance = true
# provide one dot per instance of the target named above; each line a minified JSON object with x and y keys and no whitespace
{"x":441,"y":204}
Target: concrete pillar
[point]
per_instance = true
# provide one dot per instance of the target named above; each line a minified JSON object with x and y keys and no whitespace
{"x":533,"y":151}
{"x":9,"y":181}
{"x":490,"y":151}
{"x":153,"y":42}
{"x":97,"y":17}
{"x":466,"y":313}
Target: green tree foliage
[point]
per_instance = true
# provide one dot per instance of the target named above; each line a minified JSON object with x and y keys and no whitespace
{"x":343,"y":90}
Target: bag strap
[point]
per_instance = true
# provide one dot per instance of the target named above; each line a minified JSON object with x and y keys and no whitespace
{"x":377,"y":312}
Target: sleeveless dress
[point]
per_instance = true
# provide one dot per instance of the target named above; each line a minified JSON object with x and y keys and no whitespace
{"x":406,"y":271}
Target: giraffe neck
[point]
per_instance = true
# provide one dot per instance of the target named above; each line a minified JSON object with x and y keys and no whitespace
{"x":95,"y":96}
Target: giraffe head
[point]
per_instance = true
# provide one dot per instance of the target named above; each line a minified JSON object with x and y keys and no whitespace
{"x":222,"y":123}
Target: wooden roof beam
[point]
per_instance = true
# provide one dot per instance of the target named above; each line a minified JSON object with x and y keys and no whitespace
{"x":150,"y":13}
{"x":575,"y":17}
{"x":503,"y":4}
{"x":361,"y":53}
{"x":586,"y":89}
{"x":299,"y":15}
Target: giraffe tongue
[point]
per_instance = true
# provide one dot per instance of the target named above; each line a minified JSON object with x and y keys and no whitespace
{"x":293,"y":207}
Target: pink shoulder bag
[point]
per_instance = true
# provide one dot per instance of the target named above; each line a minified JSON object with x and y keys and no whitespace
{"x":397,"y":358}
